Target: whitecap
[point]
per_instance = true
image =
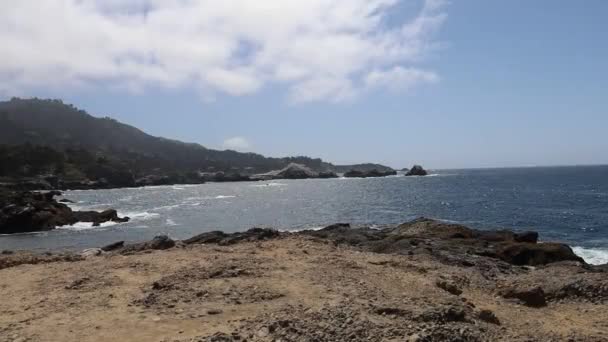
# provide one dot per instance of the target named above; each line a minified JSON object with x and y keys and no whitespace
{"x":140,"y":216}
{"x":295,"y":230}
{"x":170,"y":222}
{"x":87,"y":225}
{"x":593,"y":256}
{"x":166,"y":207}
{"x":222,"y":196}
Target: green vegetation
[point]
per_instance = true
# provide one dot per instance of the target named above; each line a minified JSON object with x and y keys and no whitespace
{"x":39,"y":138}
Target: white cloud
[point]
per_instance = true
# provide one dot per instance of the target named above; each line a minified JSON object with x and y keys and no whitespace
{"x":399,"y":78}
{"x":321,"y":50}
{"x":237,"y":144}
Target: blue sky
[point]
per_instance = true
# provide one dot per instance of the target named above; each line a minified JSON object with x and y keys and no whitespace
{"x":469,"y":83}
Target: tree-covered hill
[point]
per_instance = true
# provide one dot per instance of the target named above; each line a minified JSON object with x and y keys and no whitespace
{"x":49,"y":137}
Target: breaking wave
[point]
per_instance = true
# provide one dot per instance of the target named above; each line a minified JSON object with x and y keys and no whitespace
{"x":591,"y":255}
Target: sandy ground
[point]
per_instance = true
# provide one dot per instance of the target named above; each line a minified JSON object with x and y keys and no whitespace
{"x":293,"y":288}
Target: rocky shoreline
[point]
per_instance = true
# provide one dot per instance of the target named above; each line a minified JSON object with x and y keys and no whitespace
{"x":423,"y":280}
{"x":291,"y":171}
{"x":25,"y":212}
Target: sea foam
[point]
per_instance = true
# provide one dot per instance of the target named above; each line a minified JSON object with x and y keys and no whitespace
{"x":593,"y":256}
{"x":87,"y":225}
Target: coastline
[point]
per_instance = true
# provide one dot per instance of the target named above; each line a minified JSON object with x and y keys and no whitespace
{"x":421,"y":281}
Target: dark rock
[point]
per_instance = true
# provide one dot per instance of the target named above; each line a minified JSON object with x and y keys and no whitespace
{"x":449,"y":286}
{"x":65,"y":200}
{"x":417,"y":170}
{"x":160,"y":242}
{"x":221,"y":238}
{"x":98,"y":218}
{"x":113,"y":246}
{"x":533,"y":297}
{"x":369,"y":174}
{"x":214,"y":311}
{"x":209,"y":237}
{"x":488,"y":316}
{"x":22,"y":212}
{"x":536,"y":254}
{"x":530,"y":237}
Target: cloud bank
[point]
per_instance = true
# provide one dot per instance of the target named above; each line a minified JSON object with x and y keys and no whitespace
{"x":319,"y":50}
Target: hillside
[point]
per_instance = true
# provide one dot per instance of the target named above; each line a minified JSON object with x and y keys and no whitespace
{"x":42,"y":137}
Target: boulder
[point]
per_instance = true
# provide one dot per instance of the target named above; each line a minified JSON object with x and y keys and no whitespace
{"x":113,"y":246}
{"x":160,"y":242}
{"x":98,"y":218}
{"x":533,"y":297}
{"x":536,"y":254}
{"x":416,"y":170}
{"x":208,"y":237}
{"x":488,"y":316}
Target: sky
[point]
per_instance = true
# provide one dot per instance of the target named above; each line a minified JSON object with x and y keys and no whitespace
{"x":445,"y":84}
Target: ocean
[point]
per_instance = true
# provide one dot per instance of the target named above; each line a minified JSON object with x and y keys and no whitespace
{"x":567,"y":204}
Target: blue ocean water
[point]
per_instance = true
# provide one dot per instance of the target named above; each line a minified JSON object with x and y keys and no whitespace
{"x":568,"y":204}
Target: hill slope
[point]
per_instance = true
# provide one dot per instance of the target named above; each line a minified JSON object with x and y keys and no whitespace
{"x":50,"y":137}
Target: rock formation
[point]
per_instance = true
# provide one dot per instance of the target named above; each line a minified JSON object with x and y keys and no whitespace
{"x":417,"y":170}
{"x":369,"y":174}
{"x":22,"y":212}
{"x":294,"y":171}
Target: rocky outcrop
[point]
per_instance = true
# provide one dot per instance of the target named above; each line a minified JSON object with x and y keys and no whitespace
{"x":98,"y":217}
{"x":535,"y":254}
{"x":160,"y":242}
{"x":417,"y":170}
{"x":534,"y":297}
{"x":452,"y":243}
{"x":221,"y":238}
{"x":291,"y":171}
{"x":294,"y":171}
{"x":369,"y":174}
{"x":22,"y":212}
